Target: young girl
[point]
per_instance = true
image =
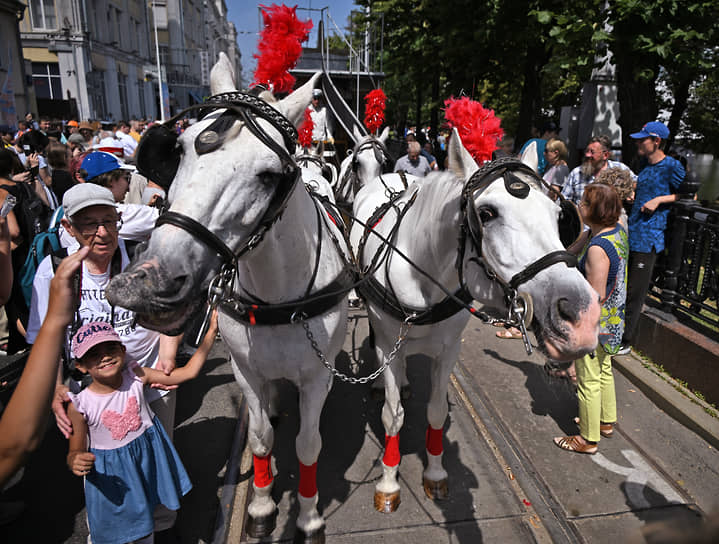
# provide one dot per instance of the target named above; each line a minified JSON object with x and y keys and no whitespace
{"x":130,"y":465}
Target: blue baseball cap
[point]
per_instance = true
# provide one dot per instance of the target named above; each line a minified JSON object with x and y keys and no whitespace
{"x":654,"y":129}
{"x":99,"y":162}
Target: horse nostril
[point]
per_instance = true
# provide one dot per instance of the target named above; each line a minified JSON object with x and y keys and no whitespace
{"x":567,"y":310}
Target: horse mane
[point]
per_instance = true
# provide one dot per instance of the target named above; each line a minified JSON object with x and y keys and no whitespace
{"x":438,"y":201}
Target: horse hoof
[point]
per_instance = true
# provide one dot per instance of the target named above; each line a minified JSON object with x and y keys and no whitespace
{"x":260,"y":526}
{"x":386,"y":502}
{"x":436,"y":490}
{"x":315,"y":537}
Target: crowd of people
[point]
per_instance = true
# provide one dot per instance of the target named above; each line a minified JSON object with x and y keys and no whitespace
{"x":89,"y":360}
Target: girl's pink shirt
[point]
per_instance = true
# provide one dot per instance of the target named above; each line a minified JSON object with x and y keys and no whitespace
{"x":115,"y":419}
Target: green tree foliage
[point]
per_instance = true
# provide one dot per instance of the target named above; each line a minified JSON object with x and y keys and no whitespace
{"x":528,"y":58}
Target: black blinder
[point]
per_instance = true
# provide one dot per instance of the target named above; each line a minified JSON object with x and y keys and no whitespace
{"x":214,"y":136}
{"x":570,"y":223}
{"x":515,"y":186}
{"x":158,"y":155}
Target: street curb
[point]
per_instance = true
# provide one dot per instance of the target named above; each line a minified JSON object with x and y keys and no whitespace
{"x":671,"y":397}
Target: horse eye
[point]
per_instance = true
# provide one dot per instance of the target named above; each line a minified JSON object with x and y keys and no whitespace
{"x":269,"y":178}
{"x":486,"y":213}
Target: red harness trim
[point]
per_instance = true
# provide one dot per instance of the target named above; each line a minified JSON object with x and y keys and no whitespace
{"x":263,"y":470}
{"x":433,"y":440}
{"x":391,"y":450}
{"x":308,"y":480}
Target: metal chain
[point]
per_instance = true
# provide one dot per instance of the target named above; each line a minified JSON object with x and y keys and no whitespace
{"x":403,"y":330}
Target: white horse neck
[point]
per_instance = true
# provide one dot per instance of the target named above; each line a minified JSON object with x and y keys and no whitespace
{"x":280,"y":268}
{"x":428,"y":235}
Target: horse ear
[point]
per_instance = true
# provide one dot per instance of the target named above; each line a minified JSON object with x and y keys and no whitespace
{"x":293,"y":106}
{"x":385,"y":134}
{"x":529,"y":156}
{"x":222,"y":76}
{"x":460,"y":161}
{"x":357,"y":134}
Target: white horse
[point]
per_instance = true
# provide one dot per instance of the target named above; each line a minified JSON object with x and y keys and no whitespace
{"x":318,"y":175}
{"x":363,"y":164}
{"x":283,"y":278}
{"x":508,"y":241}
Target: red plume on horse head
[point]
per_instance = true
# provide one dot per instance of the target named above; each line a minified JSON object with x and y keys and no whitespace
{"x":279,"y":47}
{"x":478,"y":127}
{"x":374,"y":110}
{"x":304,"y":133}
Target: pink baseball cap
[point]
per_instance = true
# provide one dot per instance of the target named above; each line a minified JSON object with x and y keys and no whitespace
{"x":92,"y":334}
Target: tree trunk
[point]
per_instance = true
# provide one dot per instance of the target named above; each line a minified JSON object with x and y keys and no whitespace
{"x":681,"y":99}
{"x":531,"y":95}
{"x":637,"y":96}
{"x":434,"y":121}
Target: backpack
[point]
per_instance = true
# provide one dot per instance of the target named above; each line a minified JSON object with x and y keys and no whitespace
{"x":43,"y":244}
{"x":31,"y":212}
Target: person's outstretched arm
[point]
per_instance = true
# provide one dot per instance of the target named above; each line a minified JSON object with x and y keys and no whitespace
{"x":23,"y":424}
{"x":187,"y":372}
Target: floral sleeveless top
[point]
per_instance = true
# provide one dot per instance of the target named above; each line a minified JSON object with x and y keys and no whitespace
{"x":615,"y":244}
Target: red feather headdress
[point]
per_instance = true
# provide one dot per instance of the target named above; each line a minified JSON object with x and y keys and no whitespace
{"x":478,"y":127}
{"x":279,"y":47}
{"x":374,"y":110}
{"x":305,"y":130}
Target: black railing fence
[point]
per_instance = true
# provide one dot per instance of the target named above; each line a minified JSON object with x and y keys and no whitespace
{"x":687,"y":280}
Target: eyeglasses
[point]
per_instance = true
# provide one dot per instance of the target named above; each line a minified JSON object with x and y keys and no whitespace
{"x":90,"y":229}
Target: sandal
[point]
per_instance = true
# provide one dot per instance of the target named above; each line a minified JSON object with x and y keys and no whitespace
{"x":568,"y":373}
{"x":509,"y":334}
{"x":605,"y":429}
{"x":573,"y":443}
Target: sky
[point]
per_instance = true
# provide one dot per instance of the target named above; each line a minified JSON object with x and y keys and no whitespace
{"x":247,"y":20}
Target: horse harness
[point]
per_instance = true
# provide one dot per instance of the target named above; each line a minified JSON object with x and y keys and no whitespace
{"x":158,"y":158}
{"x":381,"y":155}
{"x":384,"y":296}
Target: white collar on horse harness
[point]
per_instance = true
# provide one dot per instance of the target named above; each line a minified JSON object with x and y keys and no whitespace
{"x":472,"y":226}
{"x":159,"y":154}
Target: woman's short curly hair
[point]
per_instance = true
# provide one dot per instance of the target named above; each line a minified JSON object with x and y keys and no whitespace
{"x":620,"y":179}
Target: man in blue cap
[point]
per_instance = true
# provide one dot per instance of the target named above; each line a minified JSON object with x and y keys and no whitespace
{"x":108,"y":171}
{"x":657,"y":185}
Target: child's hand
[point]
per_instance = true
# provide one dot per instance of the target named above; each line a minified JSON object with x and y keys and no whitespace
{"x":211,"y":333}
{"x":80,"y":462}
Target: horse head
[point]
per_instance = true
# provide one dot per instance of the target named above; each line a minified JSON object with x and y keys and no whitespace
{"x":514,"y":235}
{"x":234,"y":175}
{"x":366,"y":161}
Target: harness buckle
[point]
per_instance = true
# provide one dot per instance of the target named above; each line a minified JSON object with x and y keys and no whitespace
{"x":298,"y":317}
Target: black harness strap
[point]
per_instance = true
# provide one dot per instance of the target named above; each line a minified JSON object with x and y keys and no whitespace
{"x":287,"y":312}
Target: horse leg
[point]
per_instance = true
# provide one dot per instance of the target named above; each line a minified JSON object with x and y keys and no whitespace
{"x":310,"y":525}
{"x":387,"y":491}
{"x":434,"y":478}
{"x":262,"y":511}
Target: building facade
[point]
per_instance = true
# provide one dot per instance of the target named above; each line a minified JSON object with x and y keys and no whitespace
{"x":96,"y":59}
{"x":14,"y":98}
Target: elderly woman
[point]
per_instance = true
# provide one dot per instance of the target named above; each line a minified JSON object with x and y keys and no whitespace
{"x":603,"y":262}
{"x":555,"y":153}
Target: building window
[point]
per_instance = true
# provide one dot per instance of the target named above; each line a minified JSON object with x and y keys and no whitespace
{"x":46,"y":80}
{"x":122,"y":87}
{"x":96,"y":92}
{"x":42,"y":14}
{"x":141,"y":92}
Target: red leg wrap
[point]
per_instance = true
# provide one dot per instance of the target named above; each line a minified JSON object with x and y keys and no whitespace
{"x":433,"y":440}
{"x":263,"y":470}
{"x":391,"y":450}
{"x":308,"y":480}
